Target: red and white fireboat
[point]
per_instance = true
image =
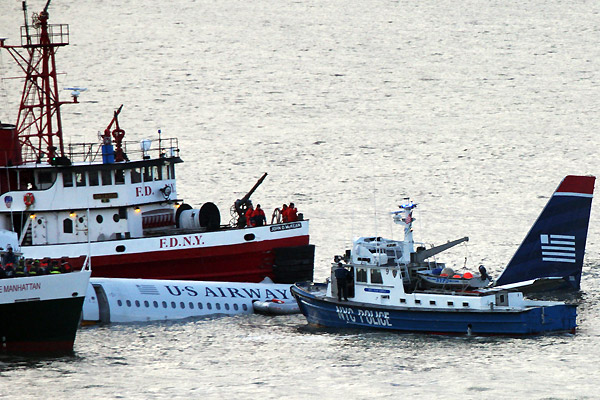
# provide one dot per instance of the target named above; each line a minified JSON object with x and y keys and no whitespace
{"x":118,"y":201}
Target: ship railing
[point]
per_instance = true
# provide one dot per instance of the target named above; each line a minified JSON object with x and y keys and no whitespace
{"x":144,"y":150}
{"x":58,"y":34}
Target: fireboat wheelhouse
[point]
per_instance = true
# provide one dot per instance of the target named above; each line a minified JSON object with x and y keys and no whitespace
{"x":117,"y":200}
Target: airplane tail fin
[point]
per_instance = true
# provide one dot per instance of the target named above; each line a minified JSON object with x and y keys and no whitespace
{"x":555,"y":244}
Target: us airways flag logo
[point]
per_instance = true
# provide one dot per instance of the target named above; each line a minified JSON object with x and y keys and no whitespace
{"x":558,"y":248}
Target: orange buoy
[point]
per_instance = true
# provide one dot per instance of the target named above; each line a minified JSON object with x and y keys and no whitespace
{"x":443,"y":274}
{"x":468,"y":275}
{"x":457,"y":276}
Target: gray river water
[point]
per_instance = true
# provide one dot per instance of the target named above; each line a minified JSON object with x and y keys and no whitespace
{"x":474,"y":109}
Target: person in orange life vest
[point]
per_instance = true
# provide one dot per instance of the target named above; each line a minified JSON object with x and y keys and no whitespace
{"x":292,"y":213}
{"x":248,"y":216}
{"x":258,"y":216}
{"x":284,"y":211}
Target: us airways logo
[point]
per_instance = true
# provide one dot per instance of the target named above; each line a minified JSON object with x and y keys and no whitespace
{"x":558,"y":248}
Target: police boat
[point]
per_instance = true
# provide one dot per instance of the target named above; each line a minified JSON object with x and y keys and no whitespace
{"x":370,"y":289}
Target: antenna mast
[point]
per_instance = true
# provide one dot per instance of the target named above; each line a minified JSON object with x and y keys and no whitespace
{"x":39,"y":126}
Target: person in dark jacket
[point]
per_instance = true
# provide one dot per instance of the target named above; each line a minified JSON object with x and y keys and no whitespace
{"x":341,"y":276}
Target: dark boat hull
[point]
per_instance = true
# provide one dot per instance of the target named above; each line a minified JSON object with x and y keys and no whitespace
{"x":39,"y":326}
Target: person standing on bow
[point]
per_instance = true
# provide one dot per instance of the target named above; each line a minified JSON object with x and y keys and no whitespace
{"x":248,"y":216}
{"x":292,"y":213}
{"x":258,"y":217}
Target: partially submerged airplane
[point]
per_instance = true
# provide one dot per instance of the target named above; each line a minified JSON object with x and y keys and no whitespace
{"x":137,"y":300}
{"x":551,"y":255}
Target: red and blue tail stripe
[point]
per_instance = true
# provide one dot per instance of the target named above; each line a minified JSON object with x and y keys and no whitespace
{"x":555,"y":245}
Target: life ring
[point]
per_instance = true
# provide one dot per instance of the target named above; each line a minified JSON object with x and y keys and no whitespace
{"x":28,"y":199}
{"x":276,"y":217}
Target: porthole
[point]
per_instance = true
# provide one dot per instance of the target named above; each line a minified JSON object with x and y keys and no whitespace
{"x":128,"y":303}
{"x":236,"y":307}
{"x":39,"y":221}
{"x":120,"y":248}
{"x":432,"y":302}
{"x":164,"y":304}
{"x":155,"y":304}
{"x":120,"y":303}
{"x":116,"y":218}
{"x":146,"y":304}
{"x":249,"y":236}
{"x":218,"y":305}
{"x":137,"y":303}
{"x":182,"y":305}
{"x":99,"y":219}
{"x":81,"y":219}
{"x":227,"y":306}
{"x":199,"y":306}
{"x":245,"y":307}
{"x":173,"y":305}
{"x":191,"y":305}
{"x":209,"y":306}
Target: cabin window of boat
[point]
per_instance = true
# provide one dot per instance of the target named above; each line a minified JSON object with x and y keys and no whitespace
{"x":172,"y":170}
{"x":361,"y":275}
{"x":147,"y":174}
{"x":376,"y":276}
{"x":119,"y":177}
{"x":68,"y":225}
{"x":136,"y":175}
{"x":106,"y":176}
{"x":157,"y":171}
{"x":45,"y":179}
{"x":165,"y":171}
{"x":80,"y":178}
{"x":93,"y":178}
{"x":67,"y":179}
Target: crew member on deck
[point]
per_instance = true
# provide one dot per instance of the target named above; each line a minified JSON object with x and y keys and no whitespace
{"x":341,"y":276}
{"x":248,"y":216}
{"x":9,"y":256}
{"x":284,"y":211}
{"x":292,"y":213}
{"x":258,"y":216}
